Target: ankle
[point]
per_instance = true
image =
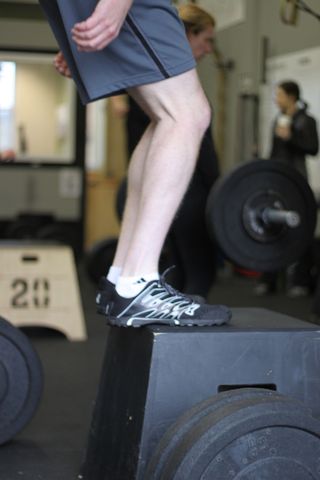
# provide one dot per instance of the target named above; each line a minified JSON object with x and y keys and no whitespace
{"x":129,"y":287}
{"x":114,"y":274}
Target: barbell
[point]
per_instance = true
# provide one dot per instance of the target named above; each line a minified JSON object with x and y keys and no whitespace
{"x":262,"y":215}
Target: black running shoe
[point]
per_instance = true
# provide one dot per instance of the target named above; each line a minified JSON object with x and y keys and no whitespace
{"x":105,"y":292}
{"x":158,"y":303}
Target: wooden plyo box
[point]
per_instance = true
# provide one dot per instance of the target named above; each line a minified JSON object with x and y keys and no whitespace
{"x":39,"y":287}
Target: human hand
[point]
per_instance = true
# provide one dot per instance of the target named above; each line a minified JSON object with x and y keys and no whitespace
{"x":103,"y":25}
{"x":283,"y":132}
{"x":61,"y":65}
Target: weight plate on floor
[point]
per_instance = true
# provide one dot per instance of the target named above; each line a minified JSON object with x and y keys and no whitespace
{"x":21,"y":229}
{"x":244,"y":240}
{"x":258,"y":438}
{"x":62,"y":234}
{"x":21,"y":381}
{"x":99,"y":258}
{"x":176,"y":433}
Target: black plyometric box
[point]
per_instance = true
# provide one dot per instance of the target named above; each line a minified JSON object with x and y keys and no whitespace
{"x":151,"y":375}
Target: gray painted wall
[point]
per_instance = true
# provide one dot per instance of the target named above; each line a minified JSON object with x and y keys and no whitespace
{"x":285,"y":38}
{"x":26,"y":34}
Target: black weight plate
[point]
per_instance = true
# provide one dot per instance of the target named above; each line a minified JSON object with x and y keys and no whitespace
{"x":176,"y":433}
{"x":257,"y":438}
{"x":275,"y":453}
{"x":99,"y":258}
{"x":21,"y":229}
{"x":225,"y":209}
{"x":63,"y":234}
{"x":21,"y":381}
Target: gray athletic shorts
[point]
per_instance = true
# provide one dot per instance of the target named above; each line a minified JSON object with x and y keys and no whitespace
{"x":151,"y":46}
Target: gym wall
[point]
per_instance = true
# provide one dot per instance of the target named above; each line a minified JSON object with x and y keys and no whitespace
{"x":243,"y":44}
{"x":40,"y":87}
{"x":24,"y":26}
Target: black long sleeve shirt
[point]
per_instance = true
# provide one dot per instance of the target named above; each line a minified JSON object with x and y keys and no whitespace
{"x":303,"y":141}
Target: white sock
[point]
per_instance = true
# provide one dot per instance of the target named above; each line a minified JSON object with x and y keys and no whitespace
{"x":129,"y":287}
{"x":113,"y":274}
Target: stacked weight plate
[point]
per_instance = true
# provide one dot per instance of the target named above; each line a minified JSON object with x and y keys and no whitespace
{"x":245,"y":434}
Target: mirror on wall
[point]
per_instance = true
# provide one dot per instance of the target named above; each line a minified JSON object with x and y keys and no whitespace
{"x":37,"y":109}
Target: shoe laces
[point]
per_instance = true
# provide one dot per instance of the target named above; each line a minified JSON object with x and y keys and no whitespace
{"x":171,"y":290}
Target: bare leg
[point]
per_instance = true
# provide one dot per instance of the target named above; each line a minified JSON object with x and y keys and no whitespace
{"x":135,"y":177}
{"x":162,"y":167}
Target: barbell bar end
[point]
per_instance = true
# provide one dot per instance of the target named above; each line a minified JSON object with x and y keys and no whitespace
{"x":290,"y":218}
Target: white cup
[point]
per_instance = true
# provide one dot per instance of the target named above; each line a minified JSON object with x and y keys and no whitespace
{"x":284,"y":121}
